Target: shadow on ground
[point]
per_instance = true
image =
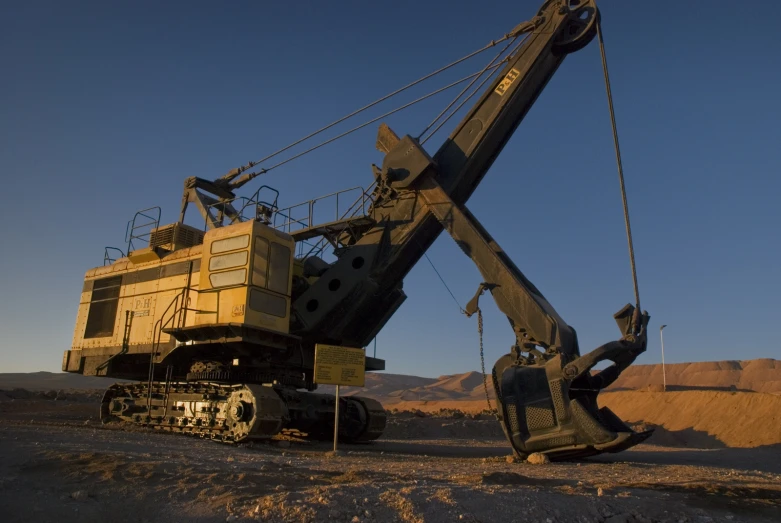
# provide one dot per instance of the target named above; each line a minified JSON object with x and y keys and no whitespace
{"x":426,"y":448}
{"x":763,"y":459}
{"x":686,"y":438}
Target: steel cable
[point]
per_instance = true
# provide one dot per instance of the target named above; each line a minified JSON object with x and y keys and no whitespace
{"x":429,"y":95}
{"x":498,"y":55}
{"x":465,"y":100}
{"x":620,"y":168}
{"x":491,"y":44}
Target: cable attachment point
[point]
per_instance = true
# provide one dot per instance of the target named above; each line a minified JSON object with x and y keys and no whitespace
{"x":526,"y":27}
{"x":472,"y":305}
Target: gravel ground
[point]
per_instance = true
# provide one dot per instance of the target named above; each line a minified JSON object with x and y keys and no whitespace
{"x":58,"y":463}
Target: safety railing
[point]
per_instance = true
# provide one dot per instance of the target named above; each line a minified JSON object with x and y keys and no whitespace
{"x":303,"y":215}
{"x":359,"y":208}
{"x":174,"y":316}
{"x":108,"y":259}
{"x":150,"y":220}
{"x":256,"y":207}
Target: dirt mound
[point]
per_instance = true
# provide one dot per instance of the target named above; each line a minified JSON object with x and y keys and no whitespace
{"x":693,"y":419}
{"x":760,"y":375}
{"x":703,"y":419}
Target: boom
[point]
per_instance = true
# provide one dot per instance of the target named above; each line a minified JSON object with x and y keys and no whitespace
{"x":405,"y":228}
{"x":546,"y":390}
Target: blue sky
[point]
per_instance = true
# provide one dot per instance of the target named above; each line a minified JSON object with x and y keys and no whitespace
{"x":106,"y":108}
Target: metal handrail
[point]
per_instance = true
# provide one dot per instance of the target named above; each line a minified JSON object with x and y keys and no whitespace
{"x":107,"y":259}
{"x":222,"y":203}
{"x":157,"y":333}
{"x":318,"y":247}
{"x":256,"y":198}
{"x":132,"y":227}
{"x":308,"y":220}
{"x":179,"y":313}
{"x":250,"y":201}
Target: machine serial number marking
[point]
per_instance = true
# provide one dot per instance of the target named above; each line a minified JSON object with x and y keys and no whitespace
{"x":143,"y":303}
{"x":508,"y":80}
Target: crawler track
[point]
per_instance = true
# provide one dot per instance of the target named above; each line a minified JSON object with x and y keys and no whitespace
{"x":234,"y":413}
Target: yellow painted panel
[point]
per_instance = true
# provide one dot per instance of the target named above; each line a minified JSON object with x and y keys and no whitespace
{"x":145,"y":287}
{"x":144,"y":255}
{"x":177,"y":282}
{"x":81,"y":323}
{"x":233,"y":305}
{"x":207,"y":308}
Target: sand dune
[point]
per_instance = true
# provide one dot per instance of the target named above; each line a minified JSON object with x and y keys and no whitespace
{"x":460,"y":383}
{"x":734,"y":419}
{"x":697,"y":419}
{"x":760,"y":375}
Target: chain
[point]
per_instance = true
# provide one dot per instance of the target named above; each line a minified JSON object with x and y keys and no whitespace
{"x":482,"y":359}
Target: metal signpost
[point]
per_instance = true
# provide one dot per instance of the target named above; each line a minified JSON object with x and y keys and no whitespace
{"x":335,"y":365}
{"x":664,"y":376}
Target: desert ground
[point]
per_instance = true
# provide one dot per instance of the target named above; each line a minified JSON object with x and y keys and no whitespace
{"x":715,"y":457}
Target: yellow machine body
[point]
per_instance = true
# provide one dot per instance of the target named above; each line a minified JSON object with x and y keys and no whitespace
{"x":240,"y":274}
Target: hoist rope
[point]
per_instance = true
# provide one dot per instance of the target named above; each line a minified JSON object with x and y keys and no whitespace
{"x":465,"y":100}
{"x":434,"y":121}
{"x":361,"y":126}
{"x":491,"y":44}
{"x":620,"y":168}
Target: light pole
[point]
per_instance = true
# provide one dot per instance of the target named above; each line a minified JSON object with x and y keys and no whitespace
{"x":664,"y":376}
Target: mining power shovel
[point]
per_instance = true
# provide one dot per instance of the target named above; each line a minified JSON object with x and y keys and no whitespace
{"x":219,"y":325}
